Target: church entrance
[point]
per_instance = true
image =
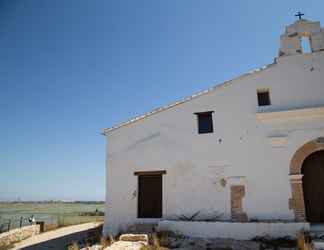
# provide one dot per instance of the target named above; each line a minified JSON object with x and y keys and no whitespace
{"x":313,"y":186}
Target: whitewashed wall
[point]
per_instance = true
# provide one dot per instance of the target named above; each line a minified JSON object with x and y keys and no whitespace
{"x":241,"y":146}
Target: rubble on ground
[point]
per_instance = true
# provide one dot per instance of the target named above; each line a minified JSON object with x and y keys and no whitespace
{"x":126,"y":245}
{"x":130,"y":242}
{"x":176,"y":242}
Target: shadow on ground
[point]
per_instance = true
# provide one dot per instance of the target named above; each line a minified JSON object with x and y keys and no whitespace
{"x":82,"y":238}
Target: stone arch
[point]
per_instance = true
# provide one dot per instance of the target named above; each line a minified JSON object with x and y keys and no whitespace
{"x":297,"y":160}
{"x":296,"y":202}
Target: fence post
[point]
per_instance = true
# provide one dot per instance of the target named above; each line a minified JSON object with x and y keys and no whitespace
{"x":9,"y":224}
{"x":21,"y":221}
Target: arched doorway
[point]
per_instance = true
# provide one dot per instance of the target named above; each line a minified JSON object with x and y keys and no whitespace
{"x":296,"y":202}
{"x":313,"y":186}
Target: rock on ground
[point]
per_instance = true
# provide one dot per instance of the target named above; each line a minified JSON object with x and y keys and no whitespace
{"x":126,"y":245}
{"x":178,"y":243}
{"x":130,"y":242}
{"x":138,"y":241}
{"x":134,"y":237}
{"x":223,"y":244}
{"x":94,"y":247}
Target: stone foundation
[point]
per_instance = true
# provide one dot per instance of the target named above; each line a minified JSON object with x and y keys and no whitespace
{"x":234,"y":230}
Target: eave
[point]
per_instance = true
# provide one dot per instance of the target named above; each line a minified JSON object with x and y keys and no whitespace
{"x":105,"y":131}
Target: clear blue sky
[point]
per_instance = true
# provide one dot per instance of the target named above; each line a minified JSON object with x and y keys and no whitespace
{"x":70,"y":68}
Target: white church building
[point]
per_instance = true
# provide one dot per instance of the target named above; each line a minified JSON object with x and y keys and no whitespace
{"x":249,"y":149}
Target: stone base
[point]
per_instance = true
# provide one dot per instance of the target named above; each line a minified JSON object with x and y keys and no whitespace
{"x":234,"y":230}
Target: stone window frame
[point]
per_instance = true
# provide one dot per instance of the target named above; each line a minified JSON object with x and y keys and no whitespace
{"x":296,"y":202}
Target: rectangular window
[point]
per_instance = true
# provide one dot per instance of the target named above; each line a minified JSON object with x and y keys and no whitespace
{"x":205,"y":122}
{"x":305,"y":44}
{"x":263,"y":98}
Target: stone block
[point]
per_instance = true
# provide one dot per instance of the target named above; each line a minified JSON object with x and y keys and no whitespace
{"x":134,"y":237}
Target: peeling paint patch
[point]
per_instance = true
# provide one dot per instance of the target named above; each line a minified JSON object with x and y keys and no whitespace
{"x":223,"y":182}
{"x":134,"y":194}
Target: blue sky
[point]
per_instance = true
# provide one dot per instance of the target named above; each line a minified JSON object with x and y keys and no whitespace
{"x":70,"y":68}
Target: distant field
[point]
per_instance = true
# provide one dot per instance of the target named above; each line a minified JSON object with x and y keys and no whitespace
{"x":62,"y":214}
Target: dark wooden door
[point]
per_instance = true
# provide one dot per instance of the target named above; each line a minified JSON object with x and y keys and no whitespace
{"x":150,"y":196}
{"x":313,"y":186}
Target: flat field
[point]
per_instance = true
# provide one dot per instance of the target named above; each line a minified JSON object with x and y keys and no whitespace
{"x":61,"y":214}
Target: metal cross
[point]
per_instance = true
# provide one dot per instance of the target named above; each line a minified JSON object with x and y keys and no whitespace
{"x":299,"y":15}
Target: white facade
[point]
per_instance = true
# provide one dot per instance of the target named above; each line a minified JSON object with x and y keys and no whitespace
{"x":251,"y":146}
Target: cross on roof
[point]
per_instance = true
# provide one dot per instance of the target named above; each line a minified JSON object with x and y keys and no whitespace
{"x":299,"y":15}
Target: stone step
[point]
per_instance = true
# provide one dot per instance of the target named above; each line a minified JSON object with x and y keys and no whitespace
{"x":126,"y":245}
{"x":317,"y":234}
{"x":318,"y":245}
{"x":142,"y":228}
{"x":317,"y":227}
{"x":317,"y":231}
{"x":130,"y":242}
{"x":134,"y":237}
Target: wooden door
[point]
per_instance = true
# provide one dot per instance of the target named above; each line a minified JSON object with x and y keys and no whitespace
{"x":150,"y":196}
{"x":313,"y":186}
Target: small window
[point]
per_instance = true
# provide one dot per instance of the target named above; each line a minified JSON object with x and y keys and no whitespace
{"x":205,"y":122}
{"x":264,"y":98}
